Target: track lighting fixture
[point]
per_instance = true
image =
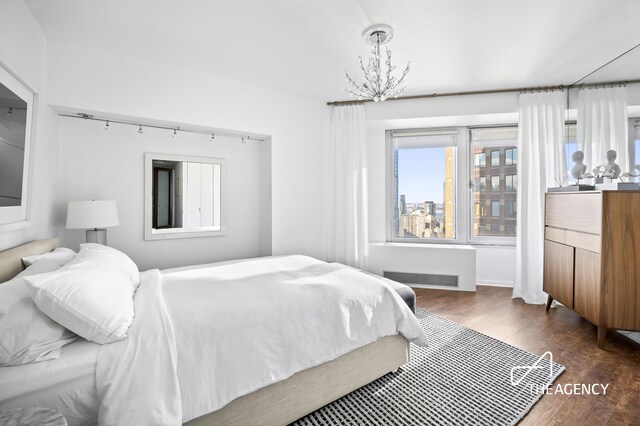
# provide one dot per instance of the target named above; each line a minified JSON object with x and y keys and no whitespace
{"x":140,"y":125}
{"x":10,"y":112}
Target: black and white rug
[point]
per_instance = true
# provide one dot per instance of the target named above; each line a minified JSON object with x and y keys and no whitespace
{"x":462,"y":378}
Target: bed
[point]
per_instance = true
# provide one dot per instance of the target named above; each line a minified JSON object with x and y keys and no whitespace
{"x":280,"y":402}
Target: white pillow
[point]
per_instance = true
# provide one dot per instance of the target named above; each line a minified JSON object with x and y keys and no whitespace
{"x":61,"y":256}
{"x":91,"y":296}
{"x":26,"y":334}
{"x":118,"y":257}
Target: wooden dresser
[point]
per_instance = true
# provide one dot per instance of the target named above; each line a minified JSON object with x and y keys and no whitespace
{"x":592,"y":256}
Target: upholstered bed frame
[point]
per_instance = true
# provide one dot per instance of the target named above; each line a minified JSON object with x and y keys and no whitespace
{"x":286,"y":401}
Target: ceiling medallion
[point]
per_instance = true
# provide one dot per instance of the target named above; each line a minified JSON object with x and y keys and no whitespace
{"x":378,"y":84}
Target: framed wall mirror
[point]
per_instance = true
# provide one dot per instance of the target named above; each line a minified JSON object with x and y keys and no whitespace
{"x":16,"y":122}
{"x":184,"y":196}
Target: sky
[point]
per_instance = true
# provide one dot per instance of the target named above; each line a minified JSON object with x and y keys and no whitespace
{"x":421,"y":174}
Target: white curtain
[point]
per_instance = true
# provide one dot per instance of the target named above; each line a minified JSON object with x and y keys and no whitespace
{"x":348,"y":238}
{"x":541,"y":161}
{"x":602,"y":125}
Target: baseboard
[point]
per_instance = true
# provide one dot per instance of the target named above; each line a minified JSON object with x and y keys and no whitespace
{"x":496,"y":283}
{"x":435,"y":287}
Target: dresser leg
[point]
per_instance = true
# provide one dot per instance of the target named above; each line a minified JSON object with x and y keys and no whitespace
{"x":549,"y":302}
{"x":602,"y":336}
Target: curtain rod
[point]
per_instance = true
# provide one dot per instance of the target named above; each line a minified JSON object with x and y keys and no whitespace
{"x":492,"y":91}
{"x":157,"y":126}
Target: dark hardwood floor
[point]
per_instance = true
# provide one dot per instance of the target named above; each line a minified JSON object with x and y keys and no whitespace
{"x":571,"y":339}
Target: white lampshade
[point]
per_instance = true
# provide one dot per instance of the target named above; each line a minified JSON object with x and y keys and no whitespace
{"x":92,"y":214}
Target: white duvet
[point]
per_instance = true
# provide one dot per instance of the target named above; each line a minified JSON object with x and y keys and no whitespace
{"x":205,"y":335}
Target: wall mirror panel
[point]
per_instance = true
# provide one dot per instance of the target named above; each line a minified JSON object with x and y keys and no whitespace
{"x":16,"y":111}
{"x":184,"y":196}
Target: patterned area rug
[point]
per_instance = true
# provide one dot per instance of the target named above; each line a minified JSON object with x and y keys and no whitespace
{"x":463,"y":378}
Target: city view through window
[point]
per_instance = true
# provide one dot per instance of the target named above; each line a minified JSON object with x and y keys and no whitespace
{"x":425,"y":185}
{"x":424,"y":170}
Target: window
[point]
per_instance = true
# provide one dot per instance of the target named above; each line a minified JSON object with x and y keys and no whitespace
{"x":634,"y":131}
{"x":570,"y":145}
{"x":452,"y":185}
{"x":424,"y":185}
{"x":495,"y":183}
{"x":495,"y":208}
{"x":493,"y":141}
{"x":495,"y":158}
{"x":482,"y":183}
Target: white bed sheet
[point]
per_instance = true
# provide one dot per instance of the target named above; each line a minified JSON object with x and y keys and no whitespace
{"x":229,"y":329}
{"x":66,"y":384}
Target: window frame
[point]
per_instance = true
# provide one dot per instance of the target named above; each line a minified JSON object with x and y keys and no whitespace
{"x":461,"y":178}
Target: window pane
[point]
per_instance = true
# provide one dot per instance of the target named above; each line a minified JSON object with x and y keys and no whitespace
{"x":495,"y":158}
{"x":634,"y":124}
{"x":570,"y":146}
{"x":495,"y":183}
{"x":495,"y":208}
{"x":496,"y":215}
{"x":425,"y":186}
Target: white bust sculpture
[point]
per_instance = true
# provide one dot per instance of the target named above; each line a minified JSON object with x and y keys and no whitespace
{"x":579,"y":168}
{"x":612,"y":170}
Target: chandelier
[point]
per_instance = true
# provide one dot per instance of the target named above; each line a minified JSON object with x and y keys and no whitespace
{"x":378,"y":84}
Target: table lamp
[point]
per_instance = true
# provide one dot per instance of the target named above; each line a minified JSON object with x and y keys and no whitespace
{"x":93,"y":216}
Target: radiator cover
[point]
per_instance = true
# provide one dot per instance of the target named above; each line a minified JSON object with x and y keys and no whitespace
{"x":422,"y":279}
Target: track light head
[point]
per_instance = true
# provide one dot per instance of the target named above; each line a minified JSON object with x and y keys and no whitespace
{"x":175,"y":133}
{"x":106,"y":126}
{"x":213,"y":137}
{"x":140,"y":131}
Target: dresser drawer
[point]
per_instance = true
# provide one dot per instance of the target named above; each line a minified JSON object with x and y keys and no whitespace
{"x":583,"y":241}
{"x":578,"y":212}
{"x":555,"y":234}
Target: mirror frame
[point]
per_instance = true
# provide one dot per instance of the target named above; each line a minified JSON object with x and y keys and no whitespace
{"x":149,"y":235}
{"x":17,"y":217}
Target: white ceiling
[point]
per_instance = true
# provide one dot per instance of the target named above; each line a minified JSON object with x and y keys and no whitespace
{"x":302,"y":46}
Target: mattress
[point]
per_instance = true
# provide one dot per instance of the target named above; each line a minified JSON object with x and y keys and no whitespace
{"x":66,"y":385}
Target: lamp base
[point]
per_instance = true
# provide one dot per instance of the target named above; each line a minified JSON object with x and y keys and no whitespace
{"x":98,"y":236}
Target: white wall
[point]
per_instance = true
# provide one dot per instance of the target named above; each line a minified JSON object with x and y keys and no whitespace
{"x":91,"y":80}
{"x":110,"y":165}
{"x":22,"y":49}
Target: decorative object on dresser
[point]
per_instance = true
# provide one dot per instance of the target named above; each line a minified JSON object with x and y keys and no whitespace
{"x":93,"y":216}
{"x":579,"y":168}
{"x":592,"y":257}
{"x":572,"y":188}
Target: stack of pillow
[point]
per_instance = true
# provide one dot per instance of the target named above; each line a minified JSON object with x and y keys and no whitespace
{"x":61,"y":296}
